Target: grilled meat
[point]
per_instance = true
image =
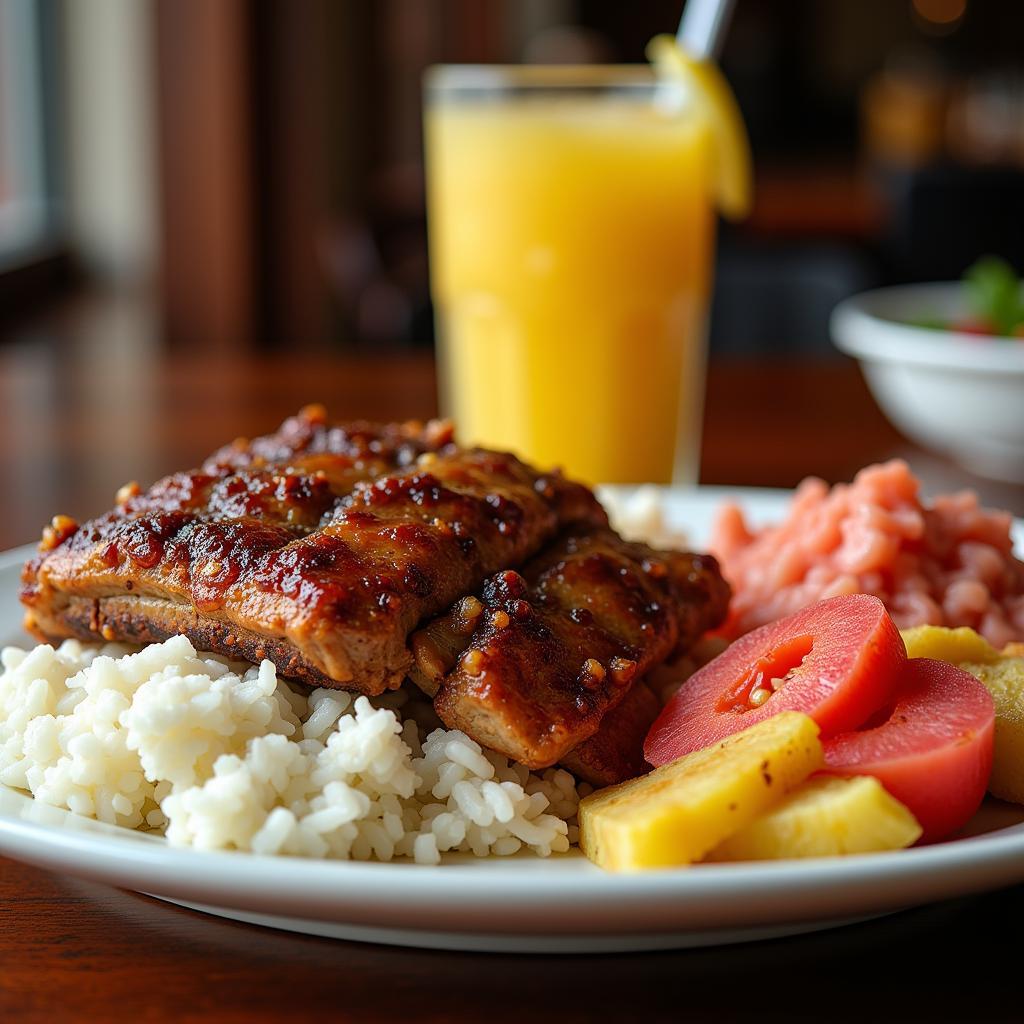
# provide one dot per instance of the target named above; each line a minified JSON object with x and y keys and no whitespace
{"x":330,"y":550}
{"x":320,"y":548}
{"x":616,"y":751}
{"x":342,"y":454}
{"x":532,"y":663}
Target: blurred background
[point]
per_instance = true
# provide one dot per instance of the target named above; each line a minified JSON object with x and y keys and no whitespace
{"x":242,"y":180}
{"x":254,"y":169}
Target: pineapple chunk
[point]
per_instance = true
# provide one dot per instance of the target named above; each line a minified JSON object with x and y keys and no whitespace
{"x":1003,"y":676}
{"x":952,"y":645}
{"x":824,"y":817}
{"x":680,"y":811}
{"x":1005,"y":681}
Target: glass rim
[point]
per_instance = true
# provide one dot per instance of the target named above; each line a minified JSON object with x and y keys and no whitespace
{"x":482,"y":78}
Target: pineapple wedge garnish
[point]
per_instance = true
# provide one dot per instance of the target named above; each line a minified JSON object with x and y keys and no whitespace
{"x":678,"y":813}
{"x":1002,"y":674}
{"x":825,"y":817}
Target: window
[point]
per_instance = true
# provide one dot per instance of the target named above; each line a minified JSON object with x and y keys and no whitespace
{"x":27,"y":207}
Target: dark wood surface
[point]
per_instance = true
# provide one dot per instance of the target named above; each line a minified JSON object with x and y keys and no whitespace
{"x":88,"y":400}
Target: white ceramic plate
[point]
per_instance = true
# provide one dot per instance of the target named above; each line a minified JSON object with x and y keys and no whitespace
{"x":563,"y":904}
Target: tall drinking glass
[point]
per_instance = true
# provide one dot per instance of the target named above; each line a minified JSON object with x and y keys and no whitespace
{"x":571,"y":235}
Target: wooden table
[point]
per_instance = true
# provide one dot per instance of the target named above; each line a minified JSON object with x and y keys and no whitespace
{"x":90,"y":401}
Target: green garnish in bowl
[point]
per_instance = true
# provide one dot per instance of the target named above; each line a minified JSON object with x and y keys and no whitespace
{"x":995,"y":303}
{"x":995,"y":297}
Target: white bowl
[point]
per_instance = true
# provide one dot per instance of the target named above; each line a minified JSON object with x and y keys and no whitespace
{"x":956,"y":393}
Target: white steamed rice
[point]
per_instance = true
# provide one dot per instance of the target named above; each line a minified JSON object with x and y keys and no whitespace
{"x":223,"y":755}
{"x":639,"y":514}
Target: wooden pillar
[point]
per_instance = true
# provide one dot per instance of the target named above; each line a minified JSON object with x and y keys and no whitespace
{"x":207,"y":173}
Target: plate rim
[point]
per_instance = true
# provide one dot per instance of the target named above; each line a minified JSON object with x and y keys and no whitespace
{"x":1001,"y":842}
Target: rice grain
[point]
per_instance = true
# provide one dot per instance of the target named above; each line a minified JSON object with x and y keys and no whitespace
{"x":223,"y":755}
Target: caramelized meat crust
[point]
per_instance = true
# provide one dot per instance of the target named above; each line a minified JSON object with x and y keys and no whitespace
{"x":331,"y":550}
{"x":616,"y":751}
{"x":533,"y":662}
{"x":319,"y":547}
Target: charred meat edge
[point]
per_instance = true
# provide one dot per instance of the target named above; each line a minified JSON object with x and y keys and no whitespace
{"x":532,"y":664}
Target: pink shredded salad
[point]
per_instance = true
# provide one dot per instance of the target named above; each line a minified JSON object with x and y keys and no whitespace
{"x":948,"y":564}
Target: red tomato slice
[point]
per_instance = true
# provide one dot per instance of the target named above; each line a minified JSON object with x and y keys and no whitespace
{"x":932,"y":750}
{"x":837,"y":661}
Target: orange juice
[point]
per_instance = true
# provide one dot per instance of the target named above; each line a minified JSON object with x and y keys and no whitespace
{"x":571,"y":242}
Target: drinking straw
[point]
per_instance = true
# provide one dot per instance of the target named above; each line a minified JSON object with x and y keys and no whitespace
{"x":702,"y":27}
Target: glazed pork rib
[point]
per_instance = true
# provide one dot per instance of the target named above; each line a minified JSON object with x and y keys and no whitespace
{"x":532,"y":663}
{"x":319,"y":548}
{"x":330,"y":550}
